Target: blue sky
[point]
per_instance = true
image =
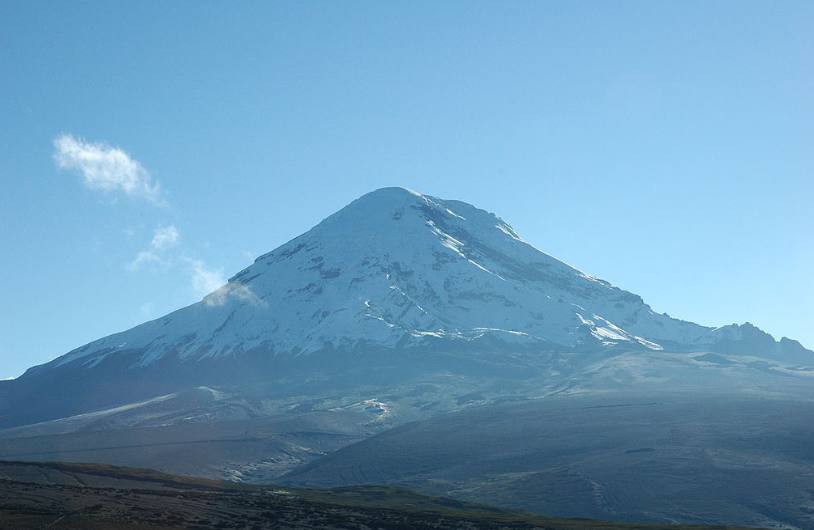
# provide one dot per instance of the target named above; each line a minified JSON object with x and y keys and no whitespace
{"x":150,"y":149}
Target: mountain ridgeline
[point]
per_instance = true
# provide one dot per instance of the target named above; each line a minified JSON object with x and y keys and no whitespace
{"x":395,"y":278}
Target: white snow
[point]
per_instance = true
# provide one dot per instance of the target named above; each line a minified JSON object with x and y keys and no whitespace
{"x":396,"y":265}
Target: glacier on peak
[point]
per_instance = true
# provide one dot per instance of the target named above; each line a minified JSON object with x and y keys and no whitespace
{"x":395,"y":269}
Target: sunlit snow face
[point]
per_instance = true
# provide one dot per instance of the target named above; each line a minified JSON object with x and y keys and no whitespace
{"x":397,"y":267}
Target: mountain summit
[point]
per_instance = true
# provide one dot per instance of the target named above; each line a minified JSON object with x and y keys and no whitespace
{"x":394,"y":271}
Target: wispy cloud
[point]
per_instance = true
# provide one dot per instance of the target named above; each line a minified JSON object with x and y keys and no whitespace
{"x":215,"y":290}
{"x":164,"y":237}
{"x":208,"y":283}
{"x":106,"y":168}
{"x":205,"y":280}
{"x":144,"y":257}
{"x":111,"y":169}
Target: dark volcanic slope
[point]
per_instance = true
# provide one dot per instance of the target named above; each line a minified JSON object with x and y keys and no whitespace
{"x":74,"y":496}
{"x":704,"y":459}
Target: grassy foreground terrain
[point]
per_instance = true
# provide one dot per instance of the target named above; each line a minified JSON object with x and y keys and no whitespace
{"x":89,"y":496}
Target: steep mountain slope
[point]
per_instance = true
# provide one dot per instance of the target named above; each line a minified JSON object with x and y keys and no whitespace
{"x":392,"y":273}
{"x":393,"y":269}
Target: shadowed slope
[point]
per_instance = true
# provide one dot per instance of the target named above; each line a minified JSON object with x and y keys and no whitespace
{"x":83,"y":496}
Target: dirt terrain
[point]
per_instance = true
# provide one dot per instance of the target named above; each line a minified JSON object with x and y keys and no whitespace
{"x":80,"y":496}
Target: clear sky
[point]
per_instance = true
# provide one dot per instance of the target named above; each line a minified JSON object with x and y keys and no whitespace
{"x":667,"y":147}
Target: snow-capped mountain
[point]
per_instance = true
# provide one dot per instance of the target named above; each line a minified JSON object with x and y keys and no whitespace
{"x":394,"y":271}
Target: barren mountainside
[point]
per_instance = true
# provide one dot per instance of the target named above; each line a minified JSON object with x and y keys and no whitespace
{"x":396,"y":269}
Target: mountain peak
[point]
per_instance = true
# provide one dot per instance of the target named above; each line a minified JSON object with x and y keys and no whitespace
{"x":393,"y":274}
{"x":373,"y":211}
{"x":390,"y":193}
{"x":396,"y":269}
{"x":384,"y":199}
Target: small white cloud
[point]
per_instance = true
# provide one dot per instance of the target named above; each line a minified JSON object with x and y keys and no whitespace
{"x":215,"y":290}
{"x":164,"y":237}
{"x":105,"y":168}
{"x":233,"y":290}
{"x":204,"y":279}
{"x":144,"y":257}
